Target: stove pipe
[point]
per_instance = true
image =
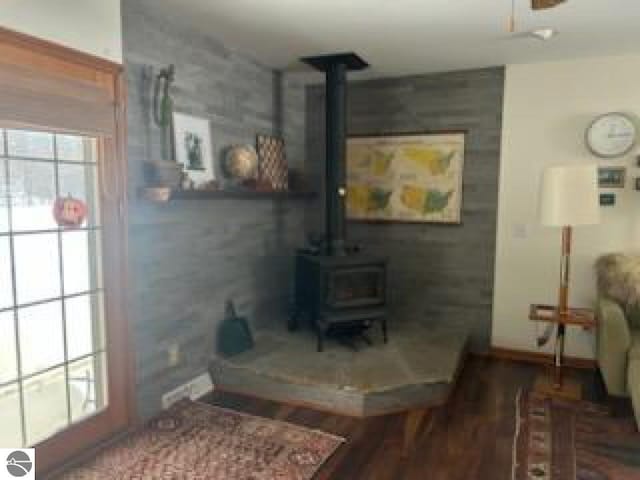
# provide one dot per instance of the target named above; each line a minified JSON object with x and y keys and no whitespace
{"x":336,"y":68}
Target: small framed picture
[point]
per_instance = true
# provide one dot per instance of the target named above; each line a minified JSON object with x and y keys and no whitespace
{"x":607,"y":199}
{"x":612,"y":177}
{"x":193,"y":147}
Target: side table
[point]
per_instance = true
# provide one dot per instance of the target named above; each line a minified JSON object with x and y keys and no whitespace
{"x":555,"y":383}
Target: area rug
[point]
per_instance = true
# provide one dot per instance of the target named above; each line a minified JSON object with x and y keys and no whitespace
{"x":201,"y":442}
{"x":567,"y":440}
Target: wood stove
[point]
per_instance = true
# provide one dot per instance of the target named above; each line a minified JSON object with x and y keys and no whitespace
{"x":344,"y":294}
{"x":339,"y":288}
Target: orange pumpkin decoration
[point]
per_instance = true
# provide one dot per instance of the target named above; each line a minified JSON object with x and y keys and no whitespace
{"x":69,"y":212}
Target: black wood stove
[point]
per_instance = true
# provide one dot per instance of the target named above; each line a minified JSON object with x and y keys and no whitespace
{"x":340,"y":289}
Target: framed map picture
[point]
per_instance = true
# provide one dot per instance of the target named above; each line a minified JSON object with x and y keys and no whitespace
{"x":406,"y":178}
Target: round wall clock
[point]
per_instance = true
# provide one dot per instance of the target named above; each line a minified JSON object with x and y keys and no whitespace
{"x":611,"y":135}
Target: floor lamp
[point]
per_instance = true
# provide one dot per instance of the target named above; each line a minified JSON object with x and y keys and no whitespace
{"x":569,"y":198}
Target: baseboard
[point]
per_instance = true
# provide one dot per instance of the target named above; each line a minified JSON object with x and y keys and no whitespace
{"x":539,"y":358}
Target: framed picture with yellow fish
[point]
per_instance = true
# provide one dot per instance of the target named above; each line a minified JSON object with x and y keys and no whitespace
{"x":414,"y":178}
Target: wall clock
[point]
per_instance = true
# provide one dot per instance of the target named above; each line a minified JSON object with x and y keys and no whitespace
{"x":611,"y":135}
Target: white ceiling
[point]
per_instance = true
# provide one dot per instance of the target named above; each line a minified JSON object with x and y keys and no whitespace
{"x":399,"y":37}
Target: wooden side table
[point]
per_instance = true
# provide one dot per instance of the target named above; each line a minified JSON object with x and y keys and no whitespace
{"x":556,"y":384}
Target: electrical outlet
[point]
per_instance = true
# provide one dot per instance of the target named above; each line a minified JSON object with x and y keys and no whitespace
{"x":173,"y":355}
{"x":520,"y":231}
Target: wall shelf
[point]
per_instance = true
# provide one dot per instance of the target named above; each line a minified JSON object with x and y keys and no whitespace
{"x":154,"y":195}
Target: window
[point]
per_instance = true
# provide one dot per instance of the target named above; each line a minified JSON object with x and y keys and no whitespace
{"x":52,"y":320}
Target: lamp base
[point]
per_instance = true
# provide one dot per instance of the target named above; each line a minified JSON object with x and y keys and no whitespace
{"x":570,"y":389}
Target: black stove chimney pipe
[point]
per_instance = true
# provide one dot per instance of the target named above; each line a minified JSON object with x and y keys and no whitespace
{"x":336,"y":68}
{"x":335,"y":181}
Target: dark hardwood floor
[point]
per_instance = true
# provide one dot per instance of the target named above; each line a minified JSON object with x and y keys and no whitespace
{"x":469,"y":439}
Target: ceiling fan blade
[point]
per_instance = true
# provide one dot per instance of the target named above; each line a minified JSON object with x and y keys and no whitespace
{"x":544,"y":4}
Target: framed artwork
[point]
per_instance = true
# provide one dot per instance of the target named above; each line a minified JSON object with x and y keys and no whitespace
{"x":413,"y":178}
{"x":193,"y":147}
{"x":612,"y":177}
{"x":607,"y":199}
{"x":273,"y":162}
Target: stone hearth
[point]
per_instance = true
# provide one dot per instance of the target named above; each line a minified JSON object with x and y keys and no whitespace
{"x":416,"y":370}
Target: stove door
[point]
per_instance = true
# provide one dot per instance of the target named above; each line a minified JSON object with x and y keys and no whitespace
{"x":355,"y":287}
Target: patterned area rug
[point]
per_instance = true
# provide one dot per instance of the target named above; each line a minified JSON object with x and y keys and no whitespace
{"x":567,"y":440}
{"x":201,"y":442}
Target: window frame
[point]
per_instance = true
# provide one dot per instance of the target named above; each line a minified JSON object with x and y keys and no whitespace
{"x":62,"y":301}
{"x":44,"y":86}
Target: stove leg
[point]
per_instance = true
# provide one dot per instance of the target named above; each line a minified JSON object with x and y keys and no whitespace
{"x":384,"y":330}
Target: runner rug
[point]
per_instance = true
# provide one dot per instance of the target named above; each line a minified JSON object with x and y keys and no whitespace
{"x":566,"y":440}
{"x":198,"y":441}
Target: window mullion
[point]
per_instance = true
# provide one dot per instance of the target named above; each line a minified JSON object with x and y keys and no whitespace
{"x":56,"y":176}
{"x":14,"y":291}
{"x":94,"y":248}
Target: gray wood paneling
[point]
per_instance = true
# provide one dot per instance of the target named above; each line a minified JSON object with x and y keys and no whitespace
{"x":438,"y":273}
{"x":188,"y":257}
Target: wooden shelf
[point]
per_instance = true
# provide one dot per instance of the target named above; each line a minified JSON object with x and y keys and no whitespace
{"x":226,"y":194}
{"x":583,"y":317}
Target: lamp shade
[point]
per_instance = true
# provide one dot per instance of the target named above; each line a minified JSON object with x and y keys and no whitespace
{"x":569,"y":196}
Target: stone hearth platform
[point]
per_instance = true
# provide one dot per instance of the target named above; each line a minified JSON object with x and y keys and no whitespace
{"x":416,"y":370}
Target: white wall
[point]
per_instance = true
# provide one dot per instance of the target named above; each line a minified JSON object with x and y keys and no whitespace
{"x":92,"y":26}
{"x":547,"y":108}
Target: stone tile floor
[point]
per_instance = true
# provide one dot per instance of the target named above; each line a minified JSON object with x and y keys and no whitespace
{"x":417,"y":356}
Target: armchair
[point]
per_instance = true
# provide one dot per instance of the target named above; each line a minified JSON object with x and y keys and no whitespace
{"x":618,"y":348}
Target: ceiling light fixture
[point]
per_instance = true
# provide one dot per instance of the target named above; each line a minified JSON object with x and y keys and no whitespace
{"x":543,"y":33}
{"x":536,"y":5}
{"x":544,"y":4}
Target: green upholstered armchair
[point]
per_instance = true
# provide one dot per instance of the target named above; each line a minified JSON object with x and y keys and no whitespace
{"x":618,"y":341}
